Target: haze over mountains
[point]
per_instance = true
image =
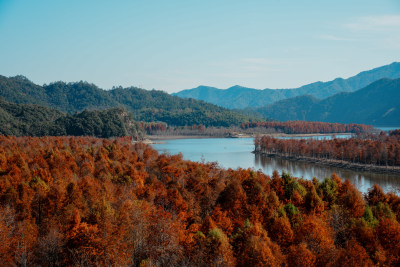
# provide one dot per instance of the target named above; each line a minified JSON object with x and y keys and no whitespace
{"x":238,"y":97}
{"x":376,"y":104}
{"x":366,"y":98}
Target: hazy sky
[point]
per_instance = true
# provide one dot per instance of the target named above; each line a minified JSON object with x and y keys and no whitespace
{"x":174,"y":45}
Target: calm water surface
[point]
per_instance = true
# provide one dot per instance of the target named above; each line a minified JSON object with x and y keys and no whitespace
{"x":236,"y":152}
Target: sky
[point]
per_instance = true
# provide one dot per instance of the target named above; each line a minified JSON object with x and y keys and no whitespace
{"x":175,"y":45}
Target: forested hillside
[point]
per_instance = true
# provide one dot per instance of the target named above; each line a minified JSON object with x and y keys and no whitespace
{"x":36,"y":120}
{"x":242,"y":97}
{"x":145,"y":105}
{"x":376,"y":104}
{"x":68,"y":201}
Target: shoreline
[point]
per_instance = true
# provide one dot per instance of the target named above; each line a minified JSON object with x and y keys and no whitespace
{"x":335,"y":163}
{"x":172,"y":137}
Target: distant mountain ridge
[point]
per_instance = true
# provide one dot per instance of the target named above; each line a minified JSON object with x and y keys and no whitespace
{"x":237,"y":97}
{"x":150,"y":106}
{"x":375,"y":104}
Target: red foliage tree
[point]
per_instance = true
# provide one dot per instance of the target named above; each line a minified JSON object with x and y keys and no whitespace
{"x":89,"y":201}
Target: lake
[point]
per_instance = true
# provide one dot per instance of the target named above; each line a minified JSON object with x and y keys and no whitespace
{"x":236,"y":152}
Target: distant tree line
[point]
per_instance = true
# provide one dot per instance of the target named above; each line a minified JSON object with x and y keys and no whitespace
{"x":394,"y":132}
{"x":308,"y":127}
{"x":152,"y":127}
{"x":253,"y":128}
{"x":162,"y":128}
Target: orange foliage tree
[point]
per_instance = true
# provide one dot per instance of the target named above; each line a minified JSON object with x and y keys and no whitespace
{"x":88,"y":201}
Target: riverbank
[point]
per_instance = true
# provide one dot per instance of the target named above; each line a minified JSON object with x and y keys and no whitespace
{"x":172,"y":137}
{"x":335,"y":163}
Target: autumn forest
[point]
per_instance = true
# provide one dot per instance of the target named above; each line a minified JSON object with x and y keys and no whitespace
{"x":110,"y":202}
{"x":199,"y":133}
{"x":373,"y":149}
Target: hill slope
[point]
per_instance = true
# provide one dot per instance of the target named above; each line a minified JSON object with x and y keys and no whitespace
{"x":377,"y":104}
{"x":145,"y":105}
{"x":242,"y":97}
{"x":35,"y":120}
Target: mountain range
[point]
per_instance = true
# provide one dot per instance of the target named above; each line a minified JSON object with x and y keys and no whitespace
{"x":238,"y":97}
{"x":376,"y":104}
{"x":60,"y":103}
{"x":149,"y":106}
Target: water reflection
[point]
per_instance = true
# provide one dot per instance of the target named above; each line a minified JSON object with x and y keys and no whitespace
{"x":236,"y":153}
{"x":362,"y":180}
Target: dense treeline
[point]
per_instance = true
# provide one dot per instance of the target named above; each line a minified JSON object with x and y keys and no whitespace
{"x":160,"y":130}
{"x":35,"y":120}
{"x":152,"y":127}
{"x":149,"y":106}
{"x":379,"y":149}
{"x":254,"y":128}
{"x":395,"y":132}
{"x":163,"y":129}
{"x":85,"y":201}
{"x":308,"y":127}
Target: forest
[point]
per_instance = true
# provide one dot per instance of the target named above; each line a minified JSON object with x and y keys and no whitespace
{"x":145,"y":105}
{"x":36,"y":120}
{"x":307,"y":127}
{"x":83,"y":201}
{"x":163,"y":130}
{"x":376,"y":149}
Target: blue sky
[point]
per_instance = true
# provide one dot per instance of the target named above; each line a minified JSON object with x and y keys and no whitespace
{"x":174,"y":45}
